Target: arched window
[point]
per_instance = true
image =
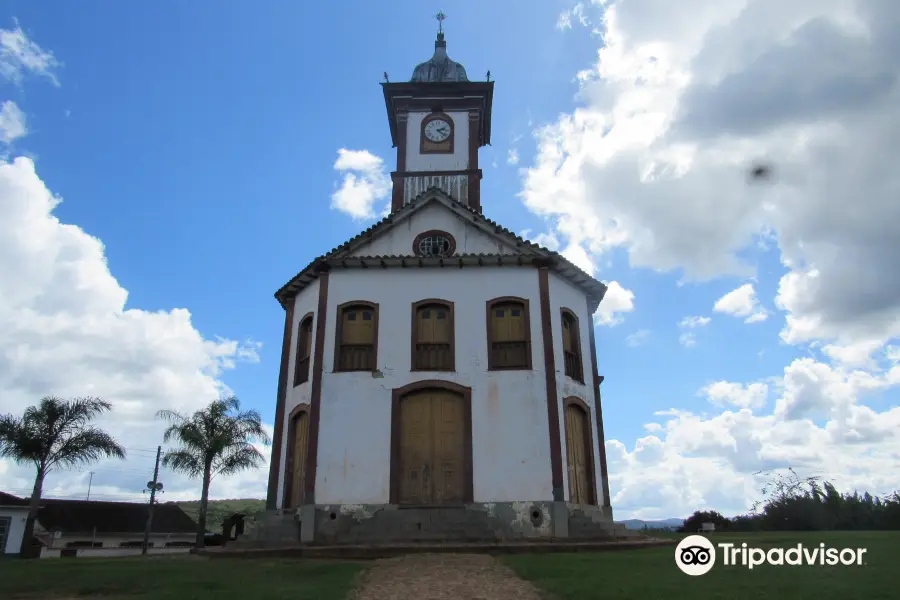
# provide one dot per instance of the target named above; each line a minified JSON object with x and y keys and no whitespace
{"x":571,"y":346}
{"x":304,"y":348}
{"x":509,"y":334}
{"x":432,"y":335}
{"x":357,"y":337}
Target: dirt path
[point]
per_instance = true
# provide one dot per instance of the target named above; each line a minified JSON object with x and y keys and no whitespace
{"x":443,"y":577}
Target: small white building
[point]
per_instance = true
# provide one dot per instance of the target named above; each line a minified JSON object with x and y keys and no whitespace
{"x":438,"y":372}
{"x":69,"y":527}
{"x":13,"y":513}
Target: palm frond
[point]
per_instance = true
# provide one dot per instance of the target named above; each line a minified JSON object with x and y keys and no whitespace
{"x":183,"y":461}
{"x":238,"y":458}
{"x":57,"y":432}
{"x":85,"y":447}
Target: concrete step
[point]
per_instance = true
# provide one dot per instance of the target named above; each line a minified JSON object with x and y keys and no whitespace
{"x":374,"y":551}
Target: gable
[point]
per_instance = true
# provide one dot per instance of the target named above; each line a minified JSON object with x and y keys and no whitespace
{"x":398,"y":240}
{"x":388,"y":243}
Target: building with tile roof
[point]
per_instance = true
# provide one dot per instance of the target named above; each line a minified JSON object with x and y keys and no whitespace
{"x":70,"y":524}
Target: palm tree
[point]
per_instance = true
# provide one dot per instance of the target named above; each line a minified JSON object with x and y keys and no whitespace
{"x":55,"y":434}
{"x":217,"y":440}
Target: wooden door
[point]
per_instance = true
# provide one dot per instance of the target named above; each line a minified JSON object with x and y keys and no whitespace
{"x":581,"y":488}
{"x":298,"y":474}
{"x":432,"y":448}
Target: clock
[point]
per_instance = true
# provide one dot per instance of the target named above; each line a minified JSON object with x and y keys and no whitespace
{"x":437,"y":134}
{"x":438,"y":130}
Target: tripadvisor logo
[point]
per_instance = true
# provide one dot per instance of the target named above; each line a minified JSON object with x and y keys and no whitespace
{"x":696,"y":555}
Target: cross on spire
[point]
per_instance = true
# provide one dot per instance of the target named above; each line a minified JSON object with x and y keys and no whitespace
{"x":440,"y":19}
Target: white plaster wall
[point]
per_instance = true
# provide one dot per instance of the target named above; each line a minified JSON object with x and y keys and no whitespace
{"x":399,"y":239}
{"x":305,"y":302}
{"x":112,"y":541}
{"x":564,"y":295}
{"x":17,"y":518}
{"x":510,"y":443}
{"x":459,"y":160}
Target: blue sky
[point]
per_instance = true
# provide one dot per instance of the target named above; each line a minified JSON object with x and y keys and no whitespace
{"x":198,"y":144}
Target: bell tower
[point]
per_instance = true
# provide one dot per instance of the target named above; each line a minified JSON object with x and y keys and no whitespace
{"x":438,"y":121}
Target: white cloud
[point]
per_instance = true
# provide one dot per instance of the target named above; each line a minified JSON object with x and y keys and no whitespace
{"x":693,"y":461}
{"x":693,"y":322}
{"x":724,"y":393}
{"x":564,"y":21}
{"x":741,"y":302}
{"x":364,"y":183}
{"x":512,"y":157}
{"x":858,"y":354}
{"x":67,"y":332}
{"x":12,"y":122}
{"x":20,"y":56}
{"x":688,"y":338}
{"x":684,"y":97}
{"x":618,"y":300}
{"x":637,"y":338}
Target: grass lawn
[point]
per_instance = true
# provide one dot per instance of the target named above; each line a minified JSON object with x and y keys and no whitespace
{"x":176,"y":578}
{"x":651,"y":573}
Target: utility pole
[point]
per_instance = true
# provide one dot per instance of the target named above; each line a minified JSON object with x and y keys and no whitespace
{"x":90,"y":481}
{"x":153,"y":486}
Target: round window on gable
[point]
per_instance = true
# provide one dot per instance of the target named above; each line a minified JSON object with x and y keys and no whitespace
{"x":434,"y":244}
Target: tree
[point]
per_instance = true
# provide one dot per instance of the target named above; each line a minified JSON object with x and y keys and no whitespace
{"x":696,"y":520}
{"x":217,"y":440}
{"x":55,"y":434}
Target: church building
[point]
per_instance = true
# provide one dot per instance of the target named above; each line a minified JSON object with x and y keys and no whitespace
{"x":438,"y":373}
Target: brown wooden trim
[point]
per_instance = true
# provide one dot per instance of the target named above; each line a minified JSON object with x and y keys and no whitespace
{"x":315,"y":394}
{"x":598,"y":410}
{"x":563,"y":313}
{"x":474,"y":199}
{"x":303,"y":319}
{"x":490,"y":330}
{"x":397,"y":190}
{"x":402,"y":122}
{"x":445,"y":147}
{"x":286,"y":500}
{"x":479,"y":173}
{"x":450,"y":306}
{"x":337,"y":334}
{"x":438,"y":232}
{"x":474,"y":118}
{"x":550,"y":376}
{"x":589,"y":443}
{"x":397,"y":396}
{"x":275,"y":461}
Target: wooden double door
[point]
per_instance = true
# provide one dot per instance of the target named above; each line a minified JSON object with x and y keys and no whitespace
{"x":296,"y":481}
{"x":432,"y":448}
{"x":579,"y":455}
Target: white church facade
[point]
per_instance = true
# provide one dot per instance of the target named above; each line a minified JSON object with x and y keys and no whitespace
{"x":438,"y":373}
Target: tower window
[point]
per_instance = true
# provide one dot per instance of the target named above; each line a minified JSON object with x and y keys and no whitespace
{"x":509,"y":334}
{"x":304,"y":347}
{"x":571,"y":346}
{"x":357,"y":338}
{"x":434,"y":244}
{"x":432,"y":336}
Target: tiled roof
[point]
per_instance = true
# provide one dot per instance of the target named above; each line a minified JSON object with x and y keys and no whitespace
{"x":81,"y":516}
{"x":526,"y":248}
{"x":10,"y":500}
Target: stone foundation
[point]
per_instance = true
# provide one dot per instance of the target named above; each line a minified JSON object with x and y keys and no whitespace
{"x":372,"y":524}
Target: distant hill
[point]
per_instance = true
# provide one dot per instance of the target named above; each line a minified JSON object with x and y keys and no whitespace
{"x":663,"y":524}
{"x":219,"y":510}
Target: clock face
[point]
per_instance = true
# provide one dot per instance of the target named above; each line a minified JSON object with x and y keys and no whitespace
{"x":437,"y":130}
